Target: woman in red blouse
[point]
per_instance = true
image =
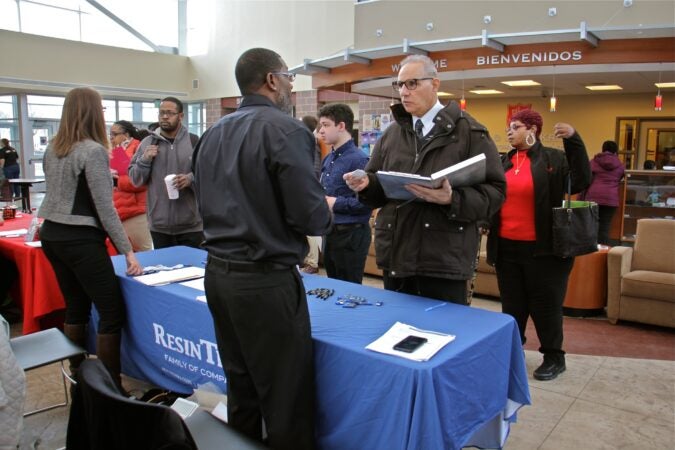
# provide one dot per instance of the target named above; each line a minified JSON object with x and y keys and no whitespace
{"x":533,"y":281}
{"x":130,"y":201}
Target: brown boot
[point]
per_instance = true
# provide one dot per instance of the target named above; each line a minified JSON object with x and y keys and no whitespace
{"x":77,"y":334}
{"x":108,"y":351}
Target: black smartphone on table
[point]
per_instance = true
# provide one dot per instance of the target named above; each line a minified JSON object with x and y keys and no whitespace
{"x":410,"y":344}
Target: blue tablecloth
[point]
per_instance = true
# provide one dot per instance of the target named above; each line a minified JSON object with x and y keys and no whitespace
{"x":466,"y":394}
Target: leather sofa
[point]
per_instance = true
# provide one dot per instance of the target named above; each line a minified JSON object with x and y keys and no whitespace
{"x":485,"y":281}
{"x":641,"y":279}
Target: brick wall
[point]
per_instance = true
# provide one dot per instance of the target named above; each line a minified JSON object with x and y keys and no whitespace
{"x":373,"y":105}
{"x":213,"y":111}
{"x":306,"y":104}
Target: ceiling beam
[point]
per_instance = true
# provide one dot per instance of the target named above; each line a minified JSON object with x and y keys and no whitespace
{"x":491,"y":43}
{"x":411,"y":50}
{"x":130,"y":29}
{"x":588,"y":36}
{"x":349,"y":57}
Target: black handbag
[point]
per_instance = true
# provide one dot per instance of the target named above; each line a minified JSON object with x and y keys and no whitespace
{"x":575,"y":227}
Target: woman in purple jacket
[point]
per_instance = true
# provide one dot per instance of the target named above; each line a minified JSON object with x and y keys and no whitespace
{"x":607,"y":171}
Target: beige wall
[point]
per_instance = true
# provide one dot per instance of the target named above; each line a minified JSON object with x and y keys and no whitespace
{"x":400,"y":19}
{"x":594,"y":116}
{"x":294,"y":29}
{"x":58,"y":65}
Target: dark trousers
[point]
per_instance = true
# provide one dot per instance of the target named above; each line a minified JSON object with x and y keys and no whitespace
{"x":10,"y":172}
{"x":265,"y":344}
{"x":85,"y":274}
{"x":8,"y":274}
{"x":345,"y":252}
{"x":452,"y":291}
{"x":533,"y":286}
{"x":163,"y":240}
{"x":606,"y":213}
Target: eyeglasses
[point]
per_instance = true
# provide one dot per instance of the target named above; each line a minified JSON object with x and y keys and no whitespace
{"x":115,"y":133}
{"x":167,"y":113}
{"x":411,"y":84}
{"x":289,"y":75}
{"x":514,"y":128}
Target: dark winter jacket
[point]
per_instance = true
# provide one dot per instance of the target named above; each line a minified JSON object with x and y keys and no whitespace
{"x":607,"y":171}
{"x":427,"y":239}
{"x":549,"y":168}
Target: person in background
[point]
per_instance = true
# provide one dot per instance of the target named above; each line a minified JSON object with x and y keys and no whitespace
{"x":168,"y":152}
{"x":346,"y":246}
{"x":649,"y":164}
{"x":311,"y":262}
{"x":532,"y":281}
{"x":130,"y":201}
{"x":79,"y":215}
{"x":9,"y":161}
{"x":428,"y":247}
{"x":607,"y":171}
{"x":257,"y":162}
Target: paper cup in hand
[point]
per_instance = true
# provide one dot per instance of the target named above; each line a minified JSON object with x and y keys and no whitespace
{"x":170,"y":188}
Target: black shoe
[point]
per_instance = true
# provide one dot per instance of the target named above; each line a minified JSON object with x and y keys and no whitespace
{"x":552,"y":366}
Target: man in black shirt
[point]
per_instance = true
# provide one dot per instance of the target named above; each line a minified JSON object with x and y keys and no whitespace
{"x":259,"y":197}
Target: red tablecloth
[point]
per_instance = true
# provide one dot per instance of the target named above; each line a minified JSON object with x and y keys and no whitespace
{"x":37,"y":288}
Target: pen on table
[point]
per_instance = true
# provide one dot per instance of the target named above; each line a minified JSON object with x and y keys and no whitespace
{"x":440,"y":305}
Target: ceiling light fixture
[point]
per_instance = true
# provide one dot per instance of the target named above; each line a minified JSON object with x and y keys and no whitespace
{"x":486,"y":91}
{"x":445,"y":94}
{"x":664,"y":85}
{"x":604,"y":87}
{"x":462,"y":101}
{"x":553,"y":104}
{"x":521,"y":83}
{"x":658,"y":100}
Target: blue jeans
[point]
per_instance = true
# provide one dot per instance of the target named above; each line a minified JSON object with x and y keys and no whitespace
{"x":10,"y":172}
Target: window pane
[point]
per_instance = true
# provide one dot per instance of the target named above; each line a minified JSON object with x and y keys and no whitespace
{"x":149,"y":112}
{"x":126,"y":111}
{"x":109,"y":111}
{"x":10,"y":16}
{"x":49,"y":21}
{"x":7,"y":107}
{"x":44,"y":107}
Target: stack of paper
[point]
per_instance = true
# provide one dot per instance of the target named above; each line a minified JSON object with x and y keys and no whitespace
{"x":14,"y":233}
{"x":399,"y":331}
{"x":171,"y":276}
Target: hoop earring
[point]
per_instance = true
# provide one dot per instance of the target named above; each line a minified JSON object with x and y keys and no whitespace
{"x":527,"y":140}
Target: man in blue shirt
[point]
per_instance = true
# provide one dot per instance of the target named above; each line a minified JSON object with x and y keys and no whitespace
{"x":346,"y":246}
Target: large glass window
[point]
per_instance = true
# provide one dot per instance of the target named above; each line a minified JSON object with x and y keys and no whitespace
{"x":196,"y":118}
{"x":9,"y":124}
{"x":156,"y":20}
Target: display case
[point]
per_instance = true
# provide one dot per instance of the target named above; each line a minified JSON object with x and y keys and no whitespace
{"x":646,"y":194}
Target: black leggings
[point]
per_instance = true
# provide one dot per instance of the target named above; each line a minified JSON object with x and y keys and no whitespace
{"x":85,"y":274}
{"x":533,"y":286}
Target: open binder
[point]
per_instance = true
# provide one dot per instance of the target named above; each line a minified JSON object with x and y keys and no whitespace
{"x":466,"y":173}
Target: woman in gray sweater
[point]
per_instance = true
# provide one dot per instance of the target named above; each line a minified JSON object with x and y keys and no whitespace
{"x":79,"y":215}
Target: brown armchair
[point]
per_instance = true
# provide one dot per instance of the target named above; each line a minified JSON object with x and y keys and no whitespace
{"x":641,"y":279}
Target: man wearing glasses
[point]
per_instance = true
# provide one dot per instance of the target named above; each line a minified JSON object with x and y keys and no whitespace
{"x":428,"y":247}
{"x":258,"y":162}
{"x":172,"y":221}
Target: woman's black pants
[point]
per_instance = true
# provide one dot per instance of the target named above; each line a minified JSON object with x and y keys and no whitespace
{"x":533,"y":286}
